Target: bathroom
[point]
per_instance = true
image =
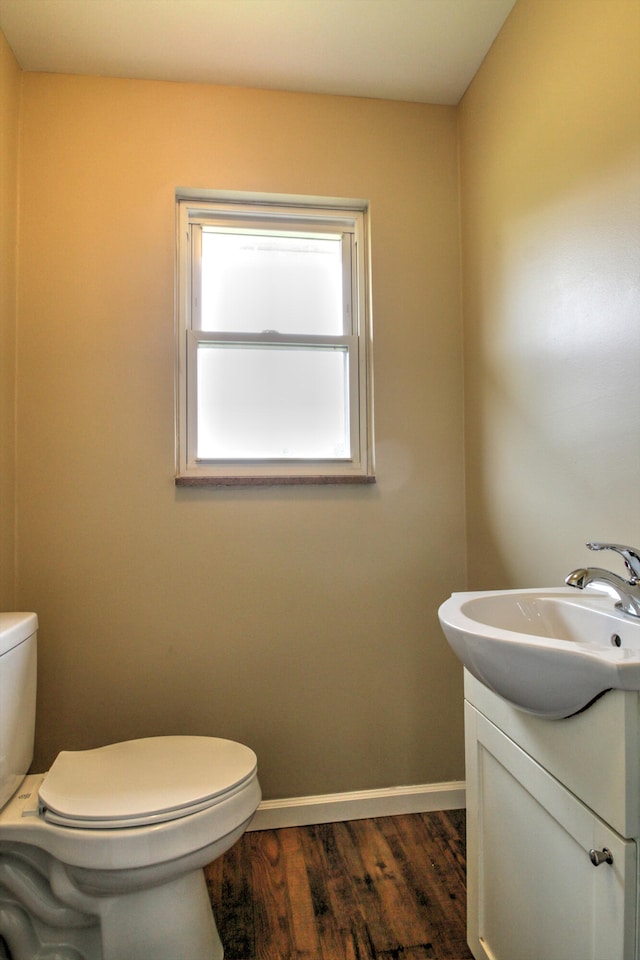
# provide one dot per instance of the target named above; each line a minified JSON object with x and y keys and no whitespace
{"x":303,"y":620}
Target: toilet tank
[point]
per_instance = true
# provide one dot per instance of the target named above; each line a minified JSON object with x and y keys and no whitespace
{"x":18,"y":635}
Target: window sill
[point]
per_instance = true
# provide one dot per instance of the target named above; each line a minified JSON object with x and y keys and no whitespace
{"x":270,"y":481}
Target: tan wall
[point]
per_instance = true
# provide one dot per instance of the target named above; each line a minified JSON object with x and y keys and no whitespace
{"x":299,"y":620}
{"x":10,"y":81}
{"x":550,"y":151}
{"x":303,"y":621}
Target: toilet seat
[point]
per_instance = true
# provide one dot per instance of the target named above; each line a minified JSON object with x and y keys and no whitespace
{"x":141,"y":782}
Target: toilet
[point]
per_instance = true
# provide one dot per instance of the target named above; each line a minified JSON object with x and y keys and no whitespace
{"x":102,"y":857}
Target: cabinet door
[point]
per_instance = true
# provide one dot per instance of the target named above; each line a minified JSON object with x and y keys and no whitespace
{"x":533,"y":891}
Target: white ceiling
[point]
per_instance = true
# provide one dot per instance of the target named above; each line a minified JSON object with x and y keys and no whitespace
{"x":420,"y":50}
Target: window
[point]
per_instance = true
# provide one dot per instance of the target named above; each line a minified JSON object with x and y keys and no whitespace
{"x":274,"y":342}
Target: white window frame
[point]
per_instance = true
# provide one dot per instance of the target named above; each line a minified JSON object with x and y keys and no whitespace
{"x":347,"y":218}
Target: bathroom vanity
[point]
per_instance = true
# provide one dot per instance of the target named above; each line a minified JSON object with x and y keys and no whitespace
{"x":553,"y":821}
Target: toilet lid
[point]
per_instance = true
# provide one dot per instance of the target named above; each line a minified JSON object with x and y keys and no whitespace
{"x":142,"y":781}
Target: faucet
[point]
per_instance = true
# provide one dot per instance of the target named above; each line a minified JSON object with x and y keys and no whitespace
{"x":626,"y":592}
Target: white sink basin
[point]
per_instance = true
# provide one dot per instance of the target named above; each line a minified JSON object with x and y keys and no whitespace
{"x":549,"y":652}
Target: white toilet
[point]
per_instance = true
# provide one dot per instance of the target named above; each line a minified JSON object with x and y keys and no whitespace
{"x":101,"y":858}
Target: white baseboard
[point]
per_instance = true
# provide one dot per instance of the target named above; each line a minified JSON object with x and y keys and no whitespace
{"x":358,"y":805}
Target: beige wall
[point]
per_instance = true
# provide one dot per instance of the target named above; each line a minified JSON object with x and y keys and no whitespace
{"x":299,"y":620}
{"x":303,"y":621}
{"x":10,"y":81}
{"x":550,"y":183}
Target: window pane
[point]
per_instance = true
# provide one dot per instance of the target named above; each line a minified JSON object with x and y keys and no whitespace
{"x":253,"y":282}
{"x":272,"y":402}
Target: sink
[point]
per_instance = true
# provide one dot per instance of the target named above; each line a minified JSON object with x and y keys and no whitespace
{"x":550,"y":652}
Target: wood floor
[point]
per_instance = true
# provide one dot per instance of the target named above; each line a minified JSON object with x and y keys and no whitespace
{"x":389,"y":888}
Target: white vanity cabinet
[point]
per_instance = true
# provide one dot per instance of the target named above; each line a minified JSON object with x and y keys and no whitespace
{"x":542,"y":794}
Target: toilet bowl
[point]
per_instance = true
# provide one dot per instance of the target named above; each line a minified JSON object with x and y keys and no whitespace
{"x":102,"y":857}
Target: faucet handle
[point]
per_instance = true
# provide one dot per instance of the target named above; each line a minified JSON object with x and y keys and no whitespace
{"x":630,"y":555}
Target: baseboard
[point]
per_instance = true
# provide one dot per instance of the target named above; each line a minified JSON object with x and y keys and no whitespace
{"x":358,"y":805}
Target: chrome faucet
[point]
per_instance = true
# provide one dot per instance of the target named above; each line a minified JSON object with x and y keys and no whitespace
{"x":626,"y":592}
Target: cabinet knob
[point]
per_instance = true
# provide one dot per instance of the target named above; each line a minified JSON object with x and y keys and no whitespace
{"x":600,"y":856}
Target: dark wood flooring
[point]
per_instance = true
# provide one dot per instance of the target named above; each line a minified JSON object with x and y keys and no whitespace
{"x":389,"y":888}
